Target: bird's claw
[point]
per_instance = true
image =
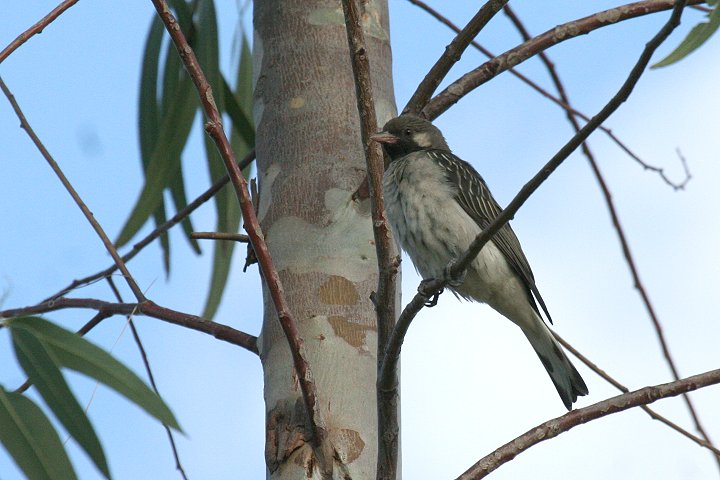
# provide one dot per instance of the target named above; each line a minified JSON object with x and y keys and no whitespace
{"x":432,"y":297}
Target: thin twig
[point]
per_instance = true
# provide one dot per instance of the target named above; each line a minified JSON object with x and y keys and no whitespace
{"x":384,"y":300}
{"x":35,"y":29}
{"x":177,"y":218}
{"x":434,"y":287}
{"x":452,"y":54}
{"x":639,"y":286}
{"x":214,"y":128}
{"x":234,"y":237}
{"x":147,"y":307}
{"x":71,"y":190}
{"x":473,"y":79}
{"x":679,"y":185}
{"x":613,"y":214}
{"x":553,"y":428}
{"x":151,"y":377}
{"x":653,"y":414}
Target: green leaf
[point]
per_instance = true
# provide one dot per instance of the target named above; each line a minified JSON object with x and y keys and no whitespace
{"x":44,"y":371}
{"x":241,"y":122}
{"x":170,"y":141}
{"x":31,"y":440}
{"x":228,"y":208}
{"x":148,"y":111}
{"x":177,"y":191}
{"x":208,"y":53}
{"x":149,"y":118}
{"x":697,"y":36}
{"x":74,"y":352}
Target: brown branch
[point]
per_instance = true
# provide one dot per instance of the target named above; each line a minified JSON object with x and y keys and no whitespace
{"x":214,"y":128}
{"x":456,"y":268}
{"x":639,"y":286}
{"x":73,"y":193}
{"x":151,"y":377}
{"x":473,"y":79}
{"x":569,"y":108}
{"x":234,"y":237}
{"x":652,"y":413}
{"x":177,"y":218}
{"x":385,"y":307}
{"x":147,"y":307}
{"x":553,"y":428}
{"x":613,"y":214}
{"x":452,"y":54}
{"x":36,"y":29}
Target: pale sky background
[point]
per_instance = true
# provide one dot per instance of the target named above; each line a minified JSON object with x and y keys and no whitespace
{"x":470,"y":381}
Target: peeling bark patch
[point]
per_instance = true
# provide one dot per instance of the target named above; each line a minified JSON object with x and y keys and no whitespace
{"x":285,"y":433}
{"x":297,"y":102}
{"x":352,"y":333}
{"x":348,"y":445}
{"x":338,"y":291}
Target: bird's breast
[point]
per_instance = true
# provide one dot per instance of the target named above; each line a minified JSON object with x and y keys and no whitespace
{"x":426,"y":219}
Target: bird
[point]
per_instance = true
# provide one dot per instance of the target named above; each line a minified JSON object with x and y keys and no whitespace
{"x":436,"y":204}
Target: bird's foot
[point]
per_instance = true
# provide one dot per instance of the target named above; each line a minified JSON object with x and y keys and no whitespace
{"x":430,"y":295}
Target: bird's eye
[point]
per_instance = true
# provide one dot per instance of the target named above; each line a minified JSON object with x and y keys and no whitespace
{"x":408,"y":132}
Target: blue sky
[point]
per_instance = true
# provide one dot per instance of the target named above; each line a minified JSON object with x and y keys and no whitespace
{"x":483,"y":385}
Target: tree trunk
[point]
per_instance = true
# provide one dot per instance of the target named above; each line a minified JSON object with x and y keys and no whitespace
{"x":310,"y":161}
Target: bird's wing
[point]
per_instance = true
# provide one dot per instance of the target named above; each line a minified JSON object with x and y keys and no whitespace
{"x":475,"y":198}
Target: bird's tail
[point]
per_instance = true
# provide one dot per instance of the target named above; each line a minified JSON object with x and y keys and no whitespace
{"x":566,"y":378}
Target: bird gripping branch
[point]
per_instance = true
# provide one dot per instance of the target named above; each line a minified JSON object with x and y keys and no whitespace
{"x":437,"y":204}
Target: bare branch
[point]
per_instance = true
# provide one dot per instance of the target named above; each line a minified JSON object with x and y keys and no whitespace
{"x":147,"y":307}
{"x":151,"y":377}
{"x":452,"y":54}
{"x":387,"y":399}
{"x":676,"y":185}
{"x":614,"y":215}
{"x":234,"y":237}
{"x":177,"y":218}
{"x":653,"y":414}
{"x":214,"y":128}
{"x":35,"y":29}
{"x":630,"y":261}
{"x":473,"y":79}
{"x":553,"y":428}
{"x":73,"y":193}
{"x":434,"y":287}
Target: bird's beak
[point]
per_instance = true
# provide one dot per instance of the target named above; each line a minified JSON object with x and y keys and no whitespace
{"x":384,"y":137}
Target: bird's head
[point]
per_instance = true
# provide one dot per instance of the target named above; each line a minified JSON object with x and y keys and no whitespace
{"x":408,"y":133}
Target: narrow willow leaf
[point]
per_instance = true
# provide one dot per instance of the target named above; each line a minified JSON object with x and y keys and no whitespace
{"x":148,"y":109}
{"x":177,"y":191}
{"x":44,"y":371}
{"x":173,"y":73}
{"x":241,"y":122}
{"x":699,"y":34}
{"x":148,"y":118}
{"x":31,"y":440}
{"x":228,"y":208}
{"x":163,"y":164}
{"x":74,"y":352}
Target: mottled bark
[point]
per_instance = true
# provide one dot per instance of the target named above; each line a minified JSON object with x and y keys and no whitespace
{"x":310,"y":161}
